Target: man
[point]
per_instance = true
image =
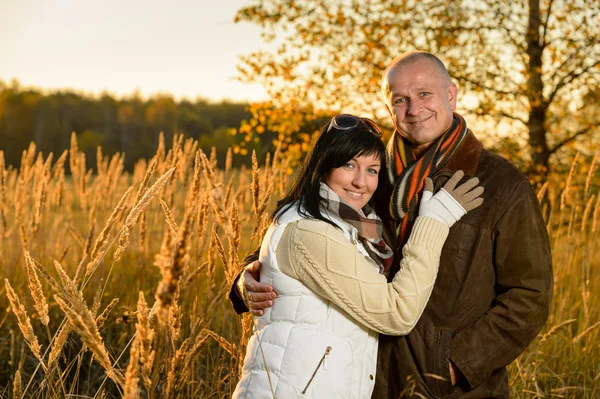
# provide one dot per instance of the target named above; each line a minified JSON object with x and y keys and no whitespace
{"x":494,"y":285}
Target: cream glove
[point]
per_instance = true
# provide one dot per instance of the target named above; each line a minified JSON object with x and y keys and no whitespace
{"x":451,"y":203}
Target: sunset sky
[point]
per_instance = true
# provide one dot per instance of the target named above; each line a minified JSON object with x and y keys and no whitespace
{"x":187,"y":48}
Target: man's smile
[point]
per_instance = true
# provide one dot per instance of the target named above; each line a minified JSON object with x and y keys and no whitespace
{"x":419,"y":121}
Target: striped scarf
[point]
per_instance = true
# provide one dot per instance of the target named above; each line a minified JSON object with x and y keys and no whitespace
{"x":407,"y":173}
{"x":366,"y":222}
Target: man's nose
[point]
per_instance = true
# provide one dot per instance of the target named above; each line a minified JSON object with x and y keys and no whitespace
{"x":414,"y":108}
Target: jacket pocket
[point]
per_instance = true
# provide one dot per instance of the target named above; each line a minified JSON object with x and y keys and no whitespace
{"x":322,"y":362}
{"x":439,"y":380}
{"x":316,"y":365}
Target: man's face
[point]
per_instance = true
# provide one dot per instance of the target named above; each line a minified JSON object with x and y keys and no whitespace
{"x":420,"y":102}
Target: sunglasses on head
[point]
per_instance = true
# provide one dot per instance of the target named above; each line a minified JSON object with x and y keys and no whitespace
{"x":347,"y":122}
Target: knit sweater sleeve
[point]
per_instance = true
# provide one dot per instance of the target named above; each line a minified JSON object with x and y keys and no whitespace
{"x":320,"y":256}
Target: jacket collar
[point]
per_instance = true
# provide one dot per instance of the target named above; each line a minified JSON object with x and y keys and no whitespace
{"x":466,"y":157}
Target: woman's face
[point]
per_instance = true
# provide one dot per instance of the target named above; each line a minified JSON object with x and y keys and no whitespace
{"x":356,"y":181}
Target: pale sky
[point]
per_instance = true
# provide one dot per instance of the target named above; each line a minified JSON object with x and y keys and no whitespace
{"x":184,"y":47}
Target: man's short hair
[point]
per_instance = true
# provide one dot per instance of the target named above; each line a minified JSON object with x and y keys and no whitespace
{"x":409,"y":58}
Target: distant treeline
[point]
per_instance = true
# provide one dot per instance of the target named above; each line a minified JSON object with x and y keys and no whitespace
{"x":130,"y":124}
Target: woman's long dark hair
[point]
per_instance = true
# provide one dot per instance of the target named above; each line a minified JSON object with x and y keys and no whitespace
{"x":333,"y":149}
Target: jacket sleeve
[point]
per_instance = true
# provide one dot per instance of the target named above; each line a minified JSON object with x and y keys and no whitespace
{"x":234,"y":295}
{"x":320,"y":256}
{"x":523,"y":267}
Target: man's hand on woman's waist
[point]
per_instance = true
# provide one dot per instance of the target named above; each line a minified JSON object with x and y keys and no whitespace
{"x":256,"y":295}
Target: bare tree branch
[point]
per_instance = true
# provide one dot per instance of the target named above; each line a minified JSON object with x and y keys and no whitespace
{"x":476,"y":83}
{"x":570,"y":139}
{"x":509,"y":32}
{"x":569,"y":78}
{"x":545,"y":23}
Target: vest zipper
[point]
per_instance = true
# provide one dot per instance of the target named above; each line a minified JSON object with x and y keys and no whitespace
{"x":317,"y":369}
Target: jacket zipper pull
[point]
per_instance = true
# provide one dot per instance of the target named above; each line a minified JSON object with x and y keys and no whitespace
{"x":321,"y":362}
{"x":325,"y":357}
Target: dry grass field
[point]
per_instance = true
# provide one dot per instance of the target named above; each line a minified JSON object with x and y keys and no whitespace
{"x":116,"y":284}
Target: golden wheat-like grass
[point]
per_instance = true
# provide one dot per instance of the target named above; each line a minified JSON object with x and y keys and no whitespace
{"x":58,"y":343}
{"x":87,"y":329}
{"x":101,"y":244}
{"x":173,"y":271}
{"x":132,"y":375}
{"x":83,"y":322}
{"x":23,"y":321}
{"x":199,"y":350}
{"x":17,"y":388}
{"x":35,"y":288}
{"x":591,"y":172}
{"x":101,"y":319}
{"x":145,"y":335}
{"x":176,"y":363}
{"x":169,"y":217}
{"x":137,"y":209}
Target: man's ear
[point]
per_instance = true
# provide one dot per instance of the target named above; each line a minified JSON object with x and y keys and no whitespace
{"x":452,"y":94}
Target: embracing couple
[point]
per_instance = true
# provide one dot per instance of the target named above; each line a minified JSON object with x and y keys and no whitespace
{"x":420,"y":268}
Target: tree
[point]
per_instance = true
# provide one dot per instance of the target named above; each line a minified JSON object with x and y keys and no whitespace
{"x":525,"y":64}
{"x":128,"y":125}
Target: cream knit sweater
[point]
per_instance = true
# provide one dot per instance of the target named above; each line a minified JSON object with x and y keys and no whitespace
{"x":321,"y":257}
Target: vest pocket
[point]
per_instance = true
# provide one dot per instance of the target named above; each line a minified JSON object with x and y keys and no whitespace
{"x":321,"y":362}
{"x":316,"y":365}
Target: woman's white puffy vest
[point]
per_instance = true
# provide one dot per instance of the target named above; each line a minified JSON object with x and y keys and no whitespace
{"x":309,"y":344}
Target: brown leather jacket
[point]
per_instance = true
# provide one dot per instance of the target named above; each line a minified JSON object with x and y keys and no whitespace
{"x":491,"y":296}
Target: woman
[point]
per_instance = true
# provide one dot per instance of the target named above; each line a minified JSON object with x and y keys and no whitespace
{"x":324,"y":255}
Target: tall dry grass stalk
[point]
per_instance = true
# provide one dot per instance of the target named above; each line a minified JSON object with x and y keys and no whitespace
{"x":176,"y":363}
{"x":223,"y":343}
{"x":585,"y":332}
{"x":17,"y":388}
{"x":200,"y":351}
{"x":101,"y":319}
{"x":591,"y":172}
{"x":193,"y":353}
{"x":202,"y":219}
{"x":58,"y":172}
{"x":40,"y":194}
{"x":132,"y":375}
{"x":101,"y":245}
{"x":84,"y":324}
{"x":568,"y":183}
{"x":145,"y":335}
{"x":147,"y":177}
{"x":596,"y":215}
{"x":58,"y":344}
{"x":586,"y":214}
{"x":173,"y":271}
{"x":35,"y":288}
{"x":175,"y":316}
{"x":260,"y":205}
{"x":220,"y":249}
{"x":137,"y":209}
{"x":255,"y":183}
{"x":212,"y":258}
{"x":228,"y":161}
{"x":169,"y":217}
{"x":234,"y":245}
{"x":143,"y":233}
{"x":23,"y":321}
{"x":2,"y":193}
{"x":216,"y":198}
{"x":86,"y":328}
